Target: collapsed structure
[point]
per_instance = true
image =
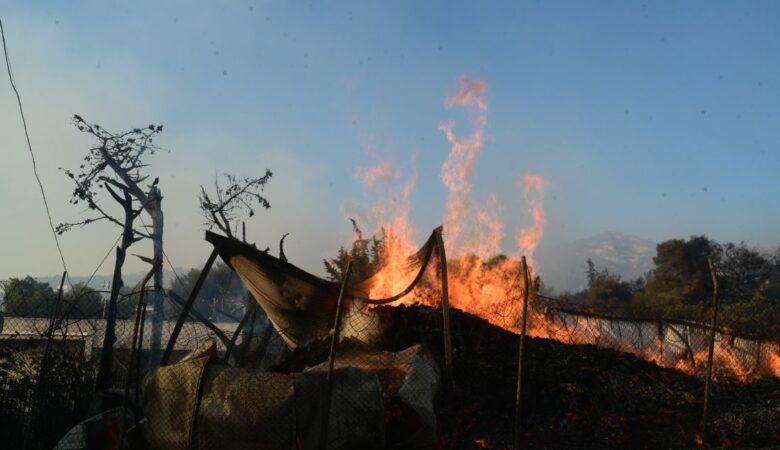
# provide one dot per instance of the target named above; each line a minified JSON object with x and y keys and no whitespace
{"x":200,"y":402}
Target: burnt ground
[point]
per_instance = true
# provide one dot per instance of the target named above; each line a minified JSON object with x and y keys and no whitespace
{"x":574,"y":396}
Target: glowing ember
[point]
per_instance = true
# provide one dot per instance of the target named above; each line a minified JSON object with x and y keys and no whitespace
{"x":481,"y":442}
{"x":774,"y":361}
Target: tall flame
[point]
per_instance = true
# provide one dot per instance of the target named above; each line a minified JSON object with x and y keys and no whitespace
{"x":483,"y":282}
{"x":391,"y":217}
{"x":457,"y":171}
{"x":528,"y":238}
{"x":382,"y":172}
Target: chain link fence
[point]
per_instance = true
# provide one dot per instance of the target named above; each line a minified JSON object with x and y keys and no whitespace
{"x":395,"y":377}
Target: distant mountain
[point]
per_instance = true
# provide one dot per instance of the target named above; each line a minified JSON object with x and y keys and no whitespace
{"x":563,"y":267}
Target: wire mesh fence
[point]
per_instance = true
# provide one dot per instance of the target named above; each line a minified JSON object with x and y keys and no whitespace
{"x":241,"y":384}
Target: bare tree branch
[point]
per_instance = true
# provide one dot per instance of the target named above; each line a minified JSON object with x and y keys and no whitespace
{"x":240,"y":195}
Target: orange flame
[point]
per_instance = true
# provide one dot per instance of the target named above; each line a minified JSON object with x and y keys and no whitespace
{"x":457,"y":170}
{"x":528,"y":238}
{"x":383,"y":171}
{"x":774,"y":360}
{"x":482,"y":283}
{"x":481,"y":442}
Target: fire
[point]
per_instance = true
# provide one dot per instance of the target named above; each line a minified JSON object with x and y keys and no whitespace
{"x":477,"y":285}
{"x":383,"y":171}
{"x":458,"y":169}
{"x":487,"y":284}
{"x":774,"y":361}
{"x":528,"y":238}
{"x":392,"y":217}
{"x":479,"y":282}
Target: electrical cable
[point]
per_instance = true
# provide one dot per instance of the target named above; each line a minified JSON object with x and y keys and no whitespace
{"x":32,"y":155}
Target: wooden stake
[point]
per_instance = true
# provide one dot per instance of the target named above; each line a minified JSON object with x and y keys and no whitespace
{"x":523,"y":321}
{"x":445,"y":310}
{"x":711,"y":350}
{"x":331,"y":360}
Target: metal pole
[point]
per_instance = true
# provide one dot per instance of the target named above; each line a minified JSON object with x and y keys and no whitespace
{"x":200,"y":317}
{"x":135,"y":350}
{"x":140,"y":346}
{"x":523,"y":321}
{"x":445,"y":310}
{"x":249,"y":311}
{"x":331,"y":360}
{"x":188,"y":306}
{"x":711,"y":350}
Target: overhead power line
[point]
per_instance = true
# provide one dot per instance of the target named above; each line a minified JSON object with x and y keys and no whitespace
{"x":32,"y":155}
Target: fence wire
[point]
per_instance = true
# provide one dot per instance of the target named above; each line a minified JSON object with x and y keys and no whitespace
{"x":247,"y":388}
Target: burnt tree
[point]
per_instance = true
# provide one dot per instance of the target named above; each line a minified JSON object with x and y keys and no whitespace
{"x":235,"y":197}
{"x":115,"y":163}
{"x":231,"y":199}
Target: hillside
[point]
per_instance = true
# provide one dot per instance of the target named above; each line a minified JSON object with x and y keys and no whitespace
{"x":563,"y":266}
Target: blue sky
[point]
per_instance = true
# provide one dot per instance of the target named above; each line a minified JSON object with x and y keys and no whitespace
{"x":657,"y":119}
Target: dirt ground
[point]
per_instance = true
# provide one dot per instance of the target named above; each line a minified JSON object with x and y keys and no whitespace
{"x":574,"y":396}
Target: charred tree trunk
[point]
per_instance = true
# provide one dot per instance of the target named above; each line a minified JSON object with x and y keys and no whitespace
{"x":158,"y":314}
{"x":104,"y":375}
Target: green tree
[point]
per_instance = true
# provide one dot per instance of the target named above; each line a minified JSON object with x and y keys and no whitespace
{"x":606,"y":293}
{"x":591,"y":272}
{"x":772,"y":288}
{"x":26,"y":297}
{"x":365,"y":254}
{"x":86,"y":303}
{"x":745,"y":272}
{"x":681,"y":275}
{"x":606,"y":289}
{"x":222,"y":291}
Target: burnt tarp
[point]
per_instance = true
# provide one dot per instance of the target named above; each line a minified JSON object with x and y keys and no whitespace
{"x":409,"y":380}
{"x":301,"y":306}
{"x":203,"y":404}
